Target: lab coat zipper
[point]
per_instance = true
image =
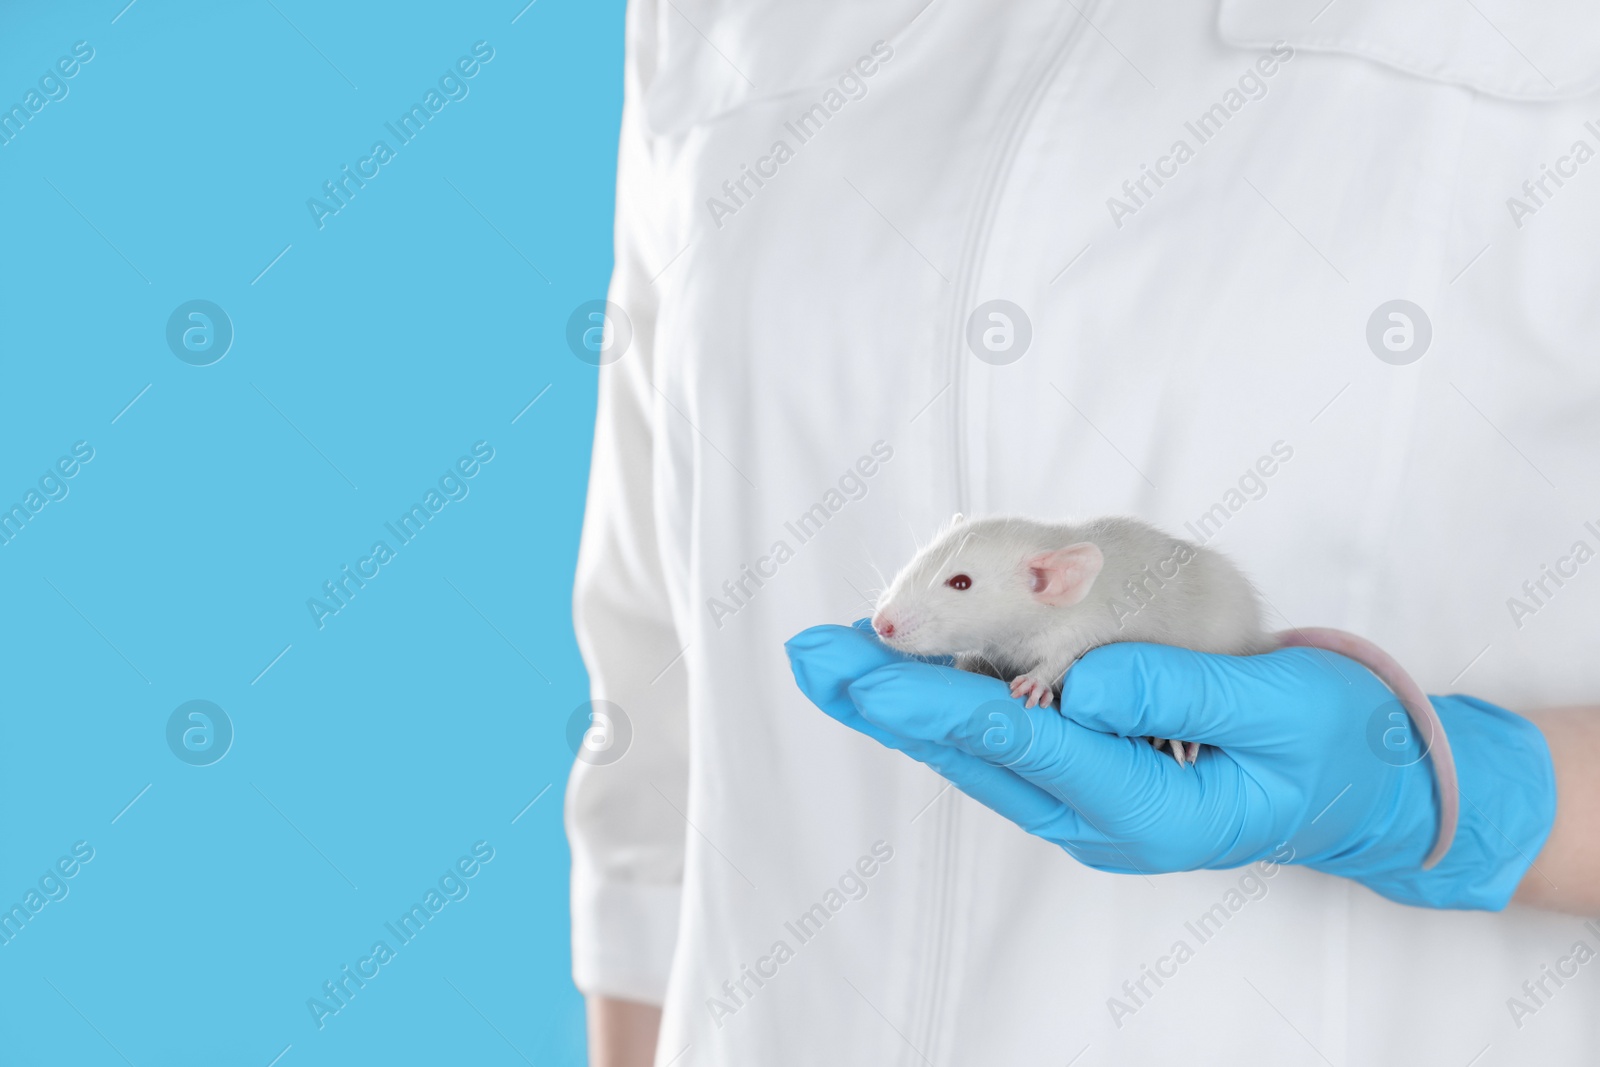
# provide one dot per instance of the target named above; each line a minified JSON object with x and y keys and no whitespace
{"x":926,"y":1024}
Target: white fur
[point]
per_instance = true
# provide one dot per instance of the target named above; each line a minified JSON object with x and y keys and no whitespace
{"x":1000,"y":627}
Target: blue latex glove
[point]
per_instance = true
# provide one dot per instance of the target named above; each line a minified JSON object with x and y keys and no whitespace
{"x":1303,"y":764}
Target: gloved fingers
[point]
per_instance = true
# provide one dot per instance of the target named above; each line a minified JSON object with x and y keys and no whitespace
{"x":1036,"y":809}
{"x":1087,"y":780}
{"x":1050,"y":776}
{"x":1010,"y":796}
{"x":1085,"y":768}
{"x":826,"y":659}
{"x":996,"y":788}
{"x":1145,"y":690}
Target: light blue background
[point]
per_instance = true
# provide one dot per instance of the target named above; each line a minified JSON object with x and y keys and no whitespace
{"x":428,"y":713}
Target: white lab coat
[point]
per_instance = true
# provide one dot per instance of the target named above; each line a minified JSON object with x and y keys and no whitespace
{"x":1179,"y":333}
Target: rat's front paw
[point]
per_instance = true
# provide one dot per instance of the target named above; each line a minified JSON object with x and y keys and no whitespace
{"x":1035,"y":687}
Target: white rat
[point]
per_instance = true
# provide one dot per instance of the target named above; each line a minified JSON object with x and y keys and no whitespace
{"x":1022,"y":600}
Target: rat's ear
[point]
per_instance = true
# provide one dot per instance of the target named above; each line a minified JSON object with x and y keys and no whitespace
{"x":1063,"y":578}
{"x":957,"y":519}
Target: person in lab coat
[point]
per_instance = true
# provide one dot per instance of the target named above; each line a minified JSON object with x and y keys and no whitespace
{"x":1313,"y":284}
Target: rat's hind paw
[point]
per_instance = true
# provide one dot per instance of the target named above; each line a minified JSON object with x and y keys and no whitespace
{"x":1038,"y":690}
{"x":1184,"y":752}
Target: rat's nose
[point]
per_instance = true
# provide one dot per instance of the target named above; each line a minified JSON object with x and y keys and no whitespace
{"x":882,"y":626}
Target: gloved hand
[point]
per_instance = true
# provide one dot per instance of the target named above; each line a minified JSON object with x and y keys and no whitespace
{"x":1302,"y":763}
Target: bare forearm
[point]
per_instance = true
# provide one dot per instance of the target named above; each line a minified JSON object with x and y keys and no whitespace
{"x":622,"y":1033}
{"x":1565,"y":876}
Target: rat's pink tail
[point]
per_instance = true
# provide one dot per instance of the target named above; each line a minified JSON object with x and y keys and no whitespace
{"x":1416,"y":703}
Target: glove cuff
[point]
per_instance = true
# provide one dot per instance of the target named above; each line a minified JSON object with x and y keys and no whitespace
{"x":1508,"y":805}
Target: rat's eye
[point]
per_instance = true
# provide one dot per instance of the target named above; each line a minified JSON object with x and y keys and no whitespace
{"x":959,"y":581}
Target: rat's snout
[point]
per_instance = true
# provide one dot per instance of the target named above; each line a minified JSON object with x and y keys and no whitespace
{"x":898,"y":626}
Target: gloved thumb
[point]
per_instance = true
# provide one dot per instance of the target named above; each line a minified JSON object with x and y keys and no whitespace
{"x":1147,"y":690}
